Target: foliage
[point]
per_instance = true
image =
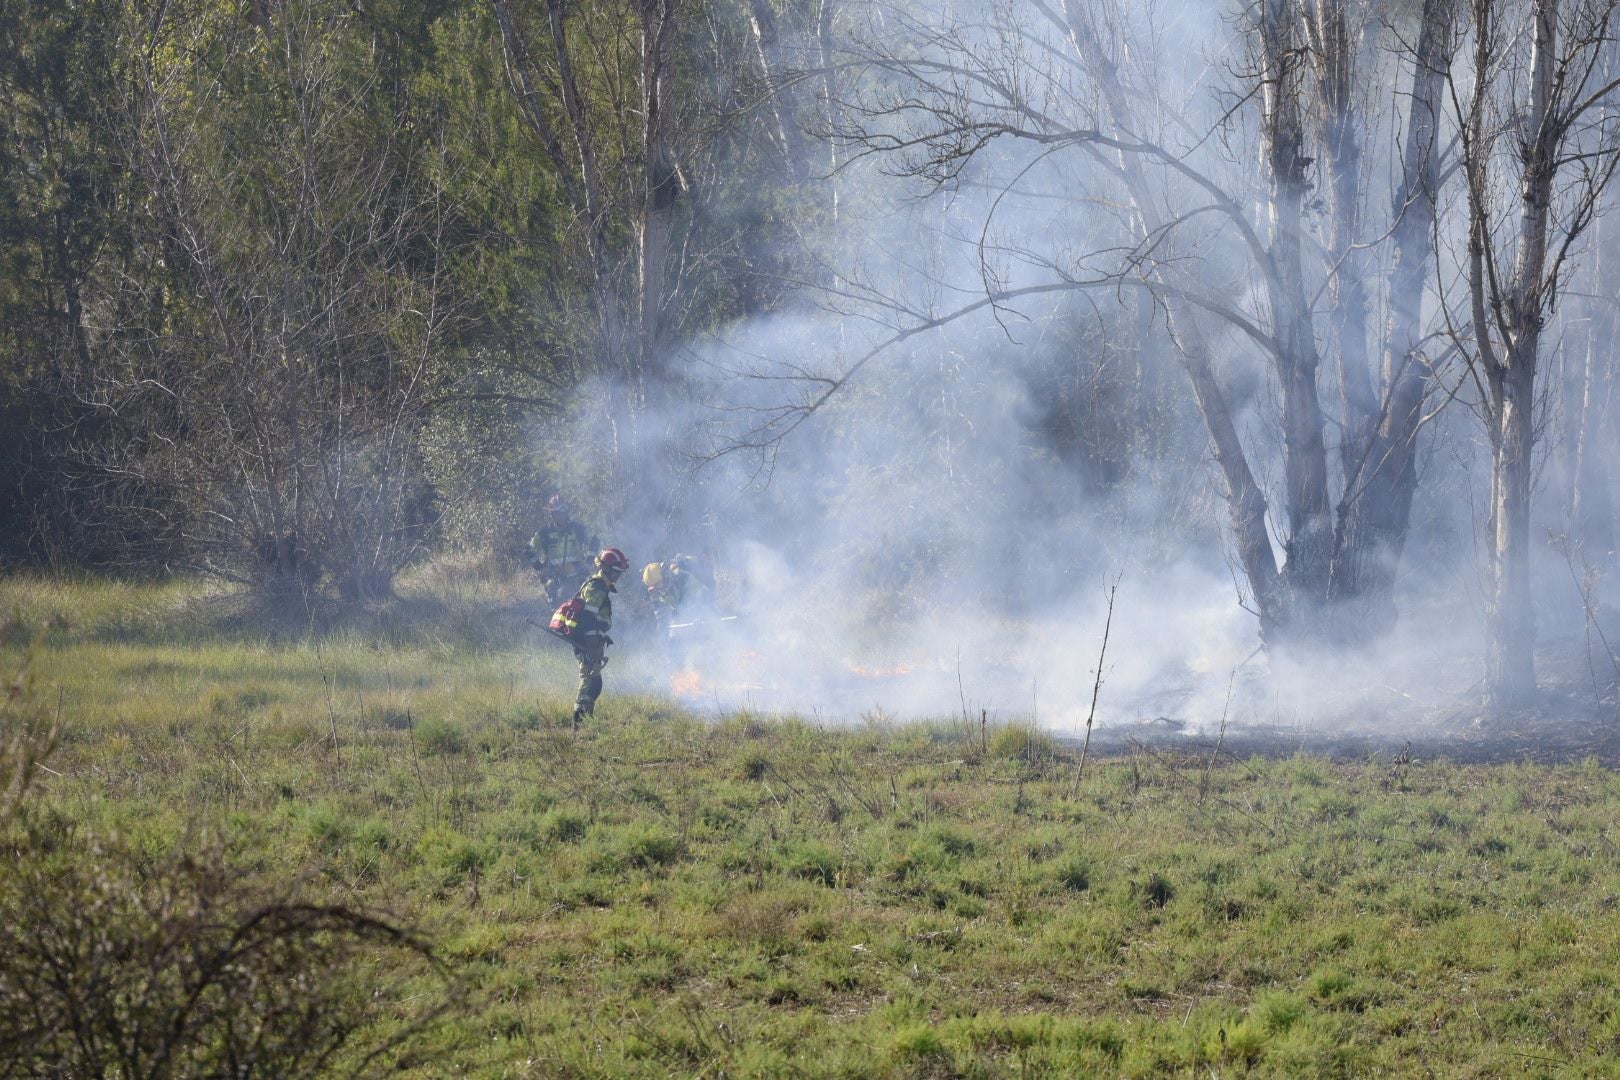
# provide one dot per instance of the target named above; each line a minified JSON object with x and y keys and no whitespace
{"x":293,"y":291}
{"x":65,"y":230}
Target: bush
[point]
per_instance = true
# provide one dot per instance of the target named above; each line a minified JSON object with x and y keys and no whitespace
{"x":1021,"y":743}
{"x":112,"y":966}
{"x":811,"y":860}
{"x":636,"y":845}
{"x":440,"y":736}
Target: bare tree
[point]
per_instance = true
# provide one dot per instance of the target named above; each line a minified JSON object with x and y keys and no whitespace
{"x":1539,"y":147}
{"x":277,"y":398}
{"x":1380,"y":448}
{"x":961,"y":103}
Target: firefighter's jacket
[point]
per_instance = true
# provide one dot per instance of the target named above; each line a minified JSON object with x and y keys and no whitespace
{"x":561,"y":542}
{"x":671,"y":592}
{"x":679,"y":586}
{"x":597,"y":617}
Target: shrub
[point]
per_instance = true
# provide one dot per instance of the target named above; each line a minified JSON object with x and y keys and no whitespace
{"x":637,"y":845}
{"x":1074,"y":873}
{"x":439,"y":736}
{"x":1022,"y":743}
{"x":811,"y":860}
{"x":563,"y":825}
{"x":110,"y":965}
{"x":1278,"y":1010}
{"x":753,"y":765}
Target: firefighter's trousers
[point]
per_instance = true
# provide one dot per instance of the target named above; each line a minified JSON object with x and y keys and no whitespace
{"x":591,"y":658}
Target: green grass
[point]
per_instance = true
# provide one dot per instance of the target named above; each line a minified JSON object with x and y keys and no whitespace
{"x":661,"y":895}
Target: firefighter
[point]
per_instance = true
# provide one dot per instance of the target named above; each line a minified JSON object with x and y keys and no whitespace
{"x":674,"y":586}
{"x":588,"y":632}
{"x":560,"y":549}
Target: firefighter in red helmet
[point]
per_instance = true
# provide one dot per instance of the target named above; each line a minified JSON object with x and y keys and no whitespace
{"x":589,"y":634}
{"x":561,"y":548}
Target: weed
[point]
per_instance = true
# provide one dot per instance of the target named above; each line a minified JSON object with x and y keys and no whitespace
{"x":437,"y":735}
{"x":1074,"y":873}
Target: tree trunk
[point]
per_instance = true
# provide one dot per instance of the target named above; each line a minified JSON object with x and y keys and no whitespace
{"x":1591,"y":506}
{"x":1375,"y":511}
{"x":644,"y":470}
{"x":1333,"y":46}
{"x":1245,"y":501}
{"x":1510,"y":673}
{"x":1511,"y":369}
{"x":784,"y":128}
{"x":825,"y":11}
{"x":1309,"y":544}
{"x":659,"y":27}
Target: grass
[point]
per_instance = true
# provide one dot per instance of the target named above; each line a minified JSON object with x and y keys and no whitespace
{"x":660,"y":894}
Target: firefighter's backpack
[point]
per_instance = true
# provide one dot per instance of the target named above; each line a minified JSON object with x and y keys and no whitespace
{"x":565,"y":620}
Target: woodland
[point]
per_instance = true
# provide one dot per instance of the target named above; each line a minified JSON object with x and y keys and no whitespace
{"x":296,"y":294}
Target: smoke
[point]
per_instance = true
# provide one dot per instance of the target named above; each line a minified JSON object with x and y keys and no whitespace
{"x":918,"y":504}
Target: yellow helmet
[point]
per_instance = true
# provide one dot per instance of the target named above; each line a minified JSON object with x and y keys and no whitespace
{"x":652,"y":575}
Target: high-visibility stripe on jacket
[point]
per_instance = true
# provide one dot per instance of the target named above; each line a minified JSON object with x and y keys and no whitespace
{"x":597,"y":596}
{"x":561,"y":543}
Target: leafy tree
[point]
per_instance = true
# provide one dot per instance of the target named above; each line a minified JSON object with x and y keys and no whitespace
{"x":64,"y":231}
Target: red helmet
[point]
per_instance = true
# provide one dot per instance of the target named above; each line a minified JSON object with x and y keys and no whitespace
{"x":556,"y":504}
{"x":612,"y":559}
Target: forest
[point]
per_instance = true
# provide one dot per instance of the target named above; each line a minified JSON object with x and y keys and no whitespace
{"x":953,"y":310}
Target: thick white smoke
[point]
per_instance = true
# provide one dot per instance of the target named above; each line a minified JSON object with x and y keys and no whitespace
{"x":928,"y":522}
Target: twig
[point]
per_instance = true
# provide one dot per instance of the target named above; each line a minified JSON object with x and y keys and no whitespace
{"x":331,"y":713}
{"x":331,"y":710}
{"x":1583,"y":585}
{"x":1203,"y":778}
{"x":1096,"y":689}
{"x":967,"y":721}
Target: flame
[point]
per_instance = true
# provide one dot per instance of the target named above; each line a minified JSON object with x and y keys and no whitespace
{"x":880,"y":672}
{"x":687,"y":684}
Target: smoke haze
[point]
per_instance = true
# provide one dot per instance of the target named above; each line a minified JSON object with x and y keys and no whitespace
{"x":942,"y":534}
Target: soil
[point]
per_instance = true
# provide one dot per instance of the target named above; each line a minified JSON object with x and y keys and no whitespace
{"x":1553,"y":732}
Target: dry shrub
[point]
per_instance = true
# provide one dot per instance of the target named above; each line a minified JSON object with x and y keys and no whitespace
{"x":768,"y":921}
{"x":113,"y":965}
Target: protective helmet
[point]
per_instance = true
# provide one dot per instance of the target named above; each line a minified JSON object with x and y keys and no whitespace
{"x":652,"y":575}
{"x":557,"y":504}
{"x":612,"y":559}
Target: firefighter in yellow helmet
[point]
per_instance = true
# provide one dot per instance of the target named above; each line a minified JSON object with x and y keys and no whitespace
{"x":674,"y":586}
{"x":592,"y":621}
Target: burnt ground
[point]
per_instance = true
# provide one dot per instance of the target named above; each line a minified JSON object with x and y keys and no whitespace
{"x":1553,"y":732}
{"x":1576,"y":717}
